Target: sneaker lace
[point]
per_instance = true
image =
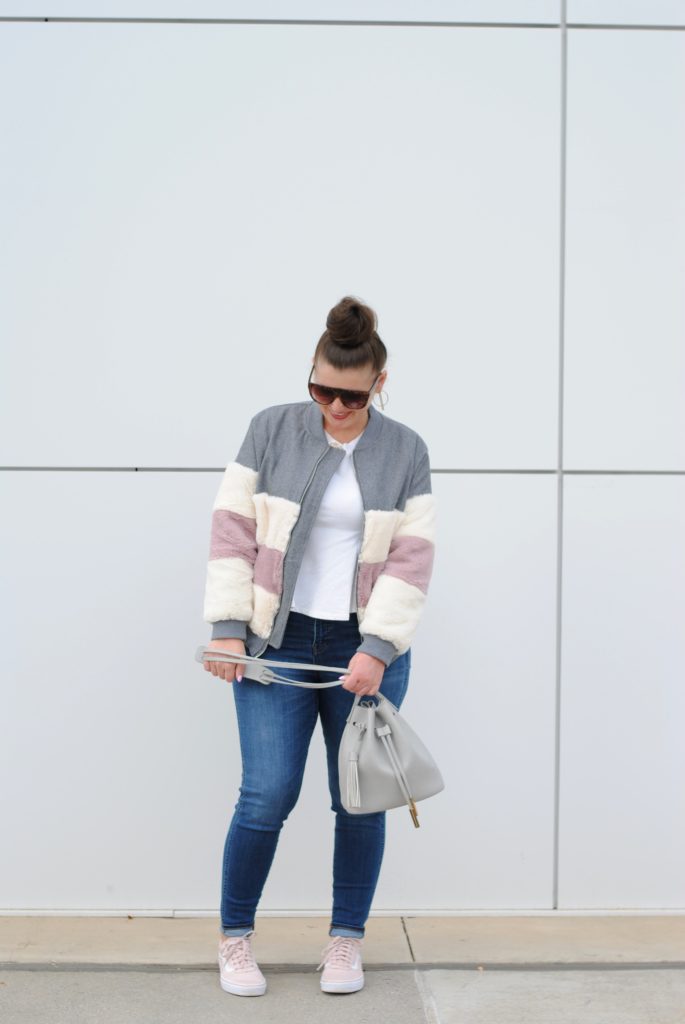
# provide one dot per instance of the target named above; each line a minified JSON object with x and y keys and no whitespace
{"x":238,"y":950}
{"x":340,"y":951}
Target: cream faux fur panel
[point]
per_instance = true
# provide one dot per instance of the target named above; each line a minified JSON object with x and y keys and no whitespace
{"x":418,"y":519}
{"x":275,"y":519}
{"x":379,"y":527}
{"x":265,"y":607}
{"x":237,"y":489}
{"x":228,"y":590}
{"x":393,"y":611}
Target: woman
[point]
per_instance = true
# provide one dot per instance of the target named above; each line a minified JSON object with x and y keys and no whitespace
{"x":321,"y":552}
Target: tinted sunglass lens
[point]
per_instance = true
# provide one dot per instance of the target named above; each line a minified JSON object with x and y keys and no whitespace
{"x":321,"y":394}
{"x":350,"y":399}
{"x":354,"y":401}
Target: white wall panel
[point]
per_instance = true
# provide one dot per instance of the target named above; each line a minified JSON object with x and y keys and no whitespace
{"x":483,"y":694}
{"x":511,"y":11}
{"x":181,"y":205}
{"x":626,"y":12}
{"x":625,"y":315}
{"x":123,"y":753}
{"x":185,"y":203}
{"x":112,"y":735}
{"x":622,"y":804}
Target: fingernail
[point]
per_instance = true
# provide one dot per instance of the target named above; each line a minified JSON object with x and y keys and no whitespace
{"x":239,"y":678}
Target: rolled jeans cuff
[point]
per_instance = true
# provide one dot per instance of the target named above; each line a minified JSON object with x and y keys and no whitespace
{"x":353,"y":933}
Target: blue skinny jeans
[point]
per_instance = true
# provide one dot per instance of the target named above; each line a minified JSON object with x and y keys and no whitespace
{"x":275,"y":724}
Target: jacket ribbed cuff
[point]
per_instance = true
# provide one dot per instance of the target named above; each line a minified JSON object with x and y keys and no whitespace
{"x":229,"y":629}
{"x":378,"y":648}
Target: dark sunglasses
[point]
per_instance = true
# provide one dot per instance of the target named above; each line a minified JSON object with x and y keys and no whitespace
{"x":350,"y":399}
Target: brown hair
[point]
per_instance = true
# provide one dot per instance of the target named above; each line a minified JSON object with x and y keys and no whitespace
{"x":351,"y":339}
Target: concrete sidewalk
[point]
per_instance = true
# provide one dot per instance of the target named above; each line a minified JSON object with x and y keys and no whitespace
{"x":423,"y":970}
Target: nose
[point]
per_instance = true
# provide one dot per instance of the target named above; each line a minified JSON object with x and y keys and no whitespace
{"x":337,"y":406}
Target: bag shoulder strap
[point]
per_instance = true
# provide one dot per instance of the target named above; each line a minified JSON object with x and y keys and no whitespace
{"x":261,"y":669}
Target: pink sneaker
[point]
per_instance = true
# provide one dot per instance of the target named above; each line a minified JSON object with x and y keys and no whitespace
{"x":342,"y":963}
{"x":239,"y":972}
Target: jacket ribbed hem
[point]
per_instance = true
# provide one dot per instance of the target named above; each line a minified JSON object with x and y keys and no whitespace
{"x":378,"y":648}
{"x":229,"y":629}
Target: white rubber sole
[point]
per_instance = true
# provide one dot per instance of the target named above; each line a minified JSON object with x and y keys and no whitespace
{"x":342,"y":986}
{"x":243,"y":990}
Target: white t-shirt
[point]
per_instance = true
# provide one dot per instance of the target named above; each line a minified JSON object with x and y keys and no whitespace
{"x":324,"y":587}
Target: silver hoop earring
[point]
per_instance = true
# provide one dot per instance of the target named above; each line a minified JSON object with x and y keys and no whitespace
{"x":381,"y":401}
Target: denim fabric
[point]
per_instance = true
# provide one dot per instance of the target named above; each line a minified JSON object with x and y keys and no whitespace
{"x":275,"y":725}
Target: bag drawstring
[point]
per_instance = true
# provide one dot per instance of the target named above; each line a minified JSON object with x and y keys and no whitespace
{"x":384,"y":733}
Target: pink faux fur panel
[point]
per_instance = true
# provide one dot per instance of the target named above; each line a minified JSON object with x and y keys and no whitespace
{"x":233,"y":536}
{"x":366,"y":578}
{"x":268,"y":569}
{"x":411,"y":560}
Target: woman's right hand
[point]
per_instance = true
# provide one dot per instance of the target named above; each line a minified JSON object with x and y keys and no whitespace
{"x":225,"y":669}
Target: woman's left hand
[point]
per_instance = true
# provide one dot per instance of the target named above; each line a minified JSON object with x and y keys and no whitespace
{"x":364,"y":674}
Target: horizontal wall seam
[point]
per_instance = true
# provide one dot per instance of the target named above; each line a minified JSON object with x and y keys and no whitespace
{"x":288,"y":21}
{"x":580,"y":25}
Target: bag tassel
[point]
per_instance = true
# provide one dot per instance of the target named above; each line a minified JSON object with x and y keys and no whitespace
{"x":353,"y":794}
{"x":354,"y":798}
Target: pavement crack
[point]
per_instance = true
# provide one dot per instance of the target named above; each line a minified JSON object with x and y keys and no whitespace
{"x":406,"y":933}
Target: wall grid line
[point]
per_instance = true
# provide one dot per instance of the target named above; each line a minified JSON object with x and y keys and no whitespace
{"x":560,"y":453}
{"x":342,"y":22}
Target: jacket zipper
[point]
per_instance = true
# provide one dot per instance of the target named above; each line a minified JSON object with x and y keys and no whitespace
{"x":356,"y":568}
{"x":306,"y":488}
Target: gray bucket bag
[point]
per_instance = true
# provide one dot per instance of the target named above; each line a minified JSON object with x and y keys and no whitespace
{"x":382,"y":763}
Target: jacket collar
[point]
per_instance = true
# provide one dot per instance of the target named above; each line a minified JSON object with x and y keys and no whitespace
{"x":372,"y":431}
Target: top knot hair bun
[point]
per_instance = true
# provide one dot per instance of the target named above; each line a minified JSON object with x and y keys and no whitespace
{"x":351,"y":323}
{"x":351,"y":338}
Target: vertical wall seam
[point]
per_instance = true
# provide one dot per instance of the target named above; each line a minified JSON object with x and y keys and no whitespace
{"x":560,"y":447}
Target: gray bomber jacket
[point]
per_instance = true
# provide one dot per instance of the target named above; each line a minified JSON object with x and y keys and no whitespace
{"x":264,"y":510}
